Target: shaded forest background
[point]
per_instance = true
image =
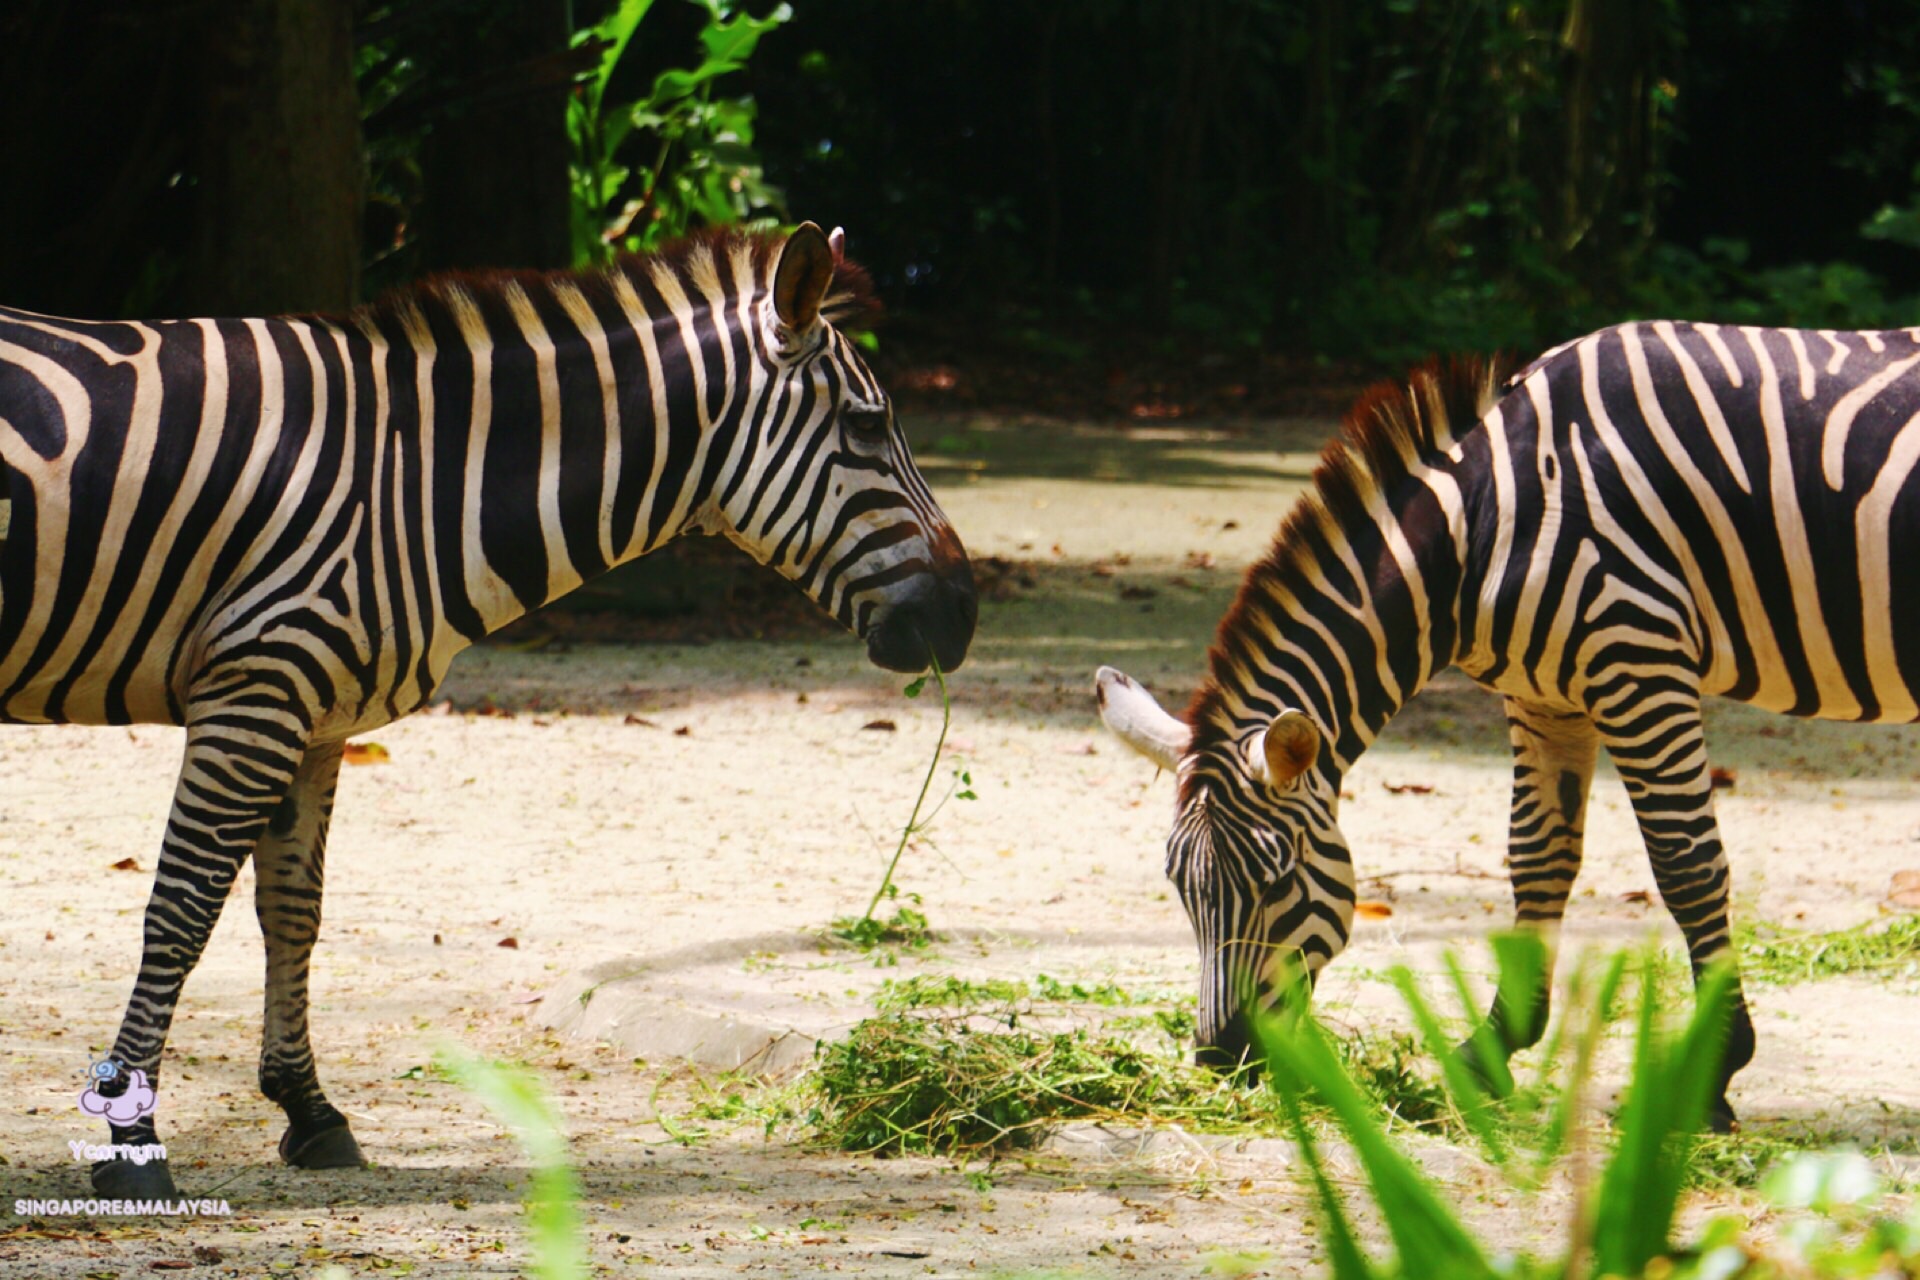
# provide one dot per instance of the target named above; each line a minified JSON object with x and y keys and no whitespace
{"x":1315,"y":177}
{"x":1093,"y":208}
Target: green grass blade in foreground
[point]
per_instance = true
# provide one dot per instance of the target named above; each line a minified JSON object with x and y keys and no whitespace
{"x":1428,"y":1237}
{"x":1520,"y":963}
{"x":1520,"y":959}
{"x":553,"y":1207}
{"x":1344,"y":1254}
{"x":1468,"y":1098}
{"x":1586,"y":1041}
{"x":1665,"y":1106}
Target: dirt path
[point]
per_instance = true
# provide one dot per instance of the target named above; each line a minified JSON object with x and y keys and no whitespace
{"x":754,"y":803}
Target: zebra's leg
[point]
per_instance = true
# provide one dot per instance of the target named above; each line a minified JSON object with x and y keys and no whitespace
{"x":289,"y":868}
{"x":1659,"y":746}
{"x":239,"y":762}
{"x":1553,"y":758}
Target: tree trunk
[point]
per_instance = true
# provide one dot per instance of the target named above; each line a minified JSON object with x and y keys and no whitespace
{"x":1606,"y":199}
{"x":494,"y":167}
{"x":279,"y":164}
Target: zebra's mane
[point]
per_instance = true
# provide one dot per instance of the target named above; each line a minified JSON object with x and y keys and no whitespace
{"x":1392,"y":428}
{"x":850,"y":305}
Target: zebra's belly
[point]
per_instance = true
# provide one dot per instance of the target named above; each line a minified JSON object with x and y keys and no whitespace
{"x":1785,"y":667}
{"x":1887,"y":701}
{"x":99,"y":693}
{"x":1820,"y":644}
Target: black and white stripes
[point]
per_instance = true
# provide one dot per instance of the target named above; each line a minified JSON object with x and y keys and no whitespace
{"x":279,"y":532}
{"x":1649,"y":515}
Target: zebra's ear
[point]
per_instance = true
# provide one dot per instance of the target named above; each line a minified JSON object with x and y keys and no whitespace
{"x":1285,"y":749}
{"x":801,"y":280}
{"x":1132,"y":716}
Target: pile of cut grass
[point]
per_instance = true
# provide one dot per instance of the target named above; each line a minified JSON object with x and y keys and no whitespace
{"x":949,"y":991}
{"x":1889,"y":950}
{"x":912,"y":1083}
{"x":905,"y":1083}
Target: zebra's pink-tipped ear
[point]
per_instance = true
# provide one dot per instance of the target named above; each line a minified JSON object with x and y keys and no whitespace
{"x":1285,"y":749}
{"x":801,"y":281}
{"x":1132,"y":716}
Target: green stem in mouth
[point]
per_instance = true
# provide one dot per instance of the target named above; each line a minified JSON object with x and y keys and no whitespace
{"x":926,"y":784}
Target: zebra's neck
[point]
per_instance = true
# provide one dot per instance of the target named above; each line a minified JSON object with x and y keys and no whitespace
{"x":1356,"y":616}
{"x":569,"y":428}
{"x":1358,"y":604}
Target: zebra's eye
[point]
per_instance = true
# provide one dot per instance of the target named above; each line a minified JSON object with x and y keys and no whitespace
{"x":867,"y":426}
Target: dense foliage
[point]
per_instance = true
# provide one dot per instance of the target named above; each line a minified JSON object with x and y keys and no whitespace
{"x":1383,"y":177}
{"x":1376,"y":178}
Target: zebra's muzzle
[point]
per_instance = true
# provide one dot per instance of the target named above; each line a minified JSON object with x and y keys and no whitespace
{"x":935,"y":619}
{"x":1232,"y":1051}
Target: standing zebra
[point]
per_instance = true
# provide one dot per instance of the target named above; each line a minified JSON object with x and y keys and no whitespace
{"x":1635,"y":525}
{"x":278,"y":533}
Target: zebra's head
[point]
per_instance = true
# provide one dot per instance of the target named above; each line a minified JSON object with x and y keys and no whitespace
{"x":1255,"y":854}
{"x":830,"y":495}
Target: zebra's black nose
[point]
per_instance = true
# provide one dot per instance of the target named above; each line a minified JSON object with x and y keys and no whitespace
{"x":936,"y":618}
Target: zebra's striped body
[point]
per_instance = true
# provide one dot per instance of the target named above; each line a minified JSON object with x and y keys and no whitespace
{"x":1649,"y":515}
{"x":279,"y":532}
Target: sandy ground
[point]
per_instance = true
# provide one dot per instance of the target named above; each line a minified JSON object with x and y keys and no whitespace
{"x":753,"y":804}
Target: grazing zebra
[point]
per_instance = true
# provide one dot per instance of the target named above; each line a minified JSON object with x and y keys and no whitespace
{"x":1635,"y":525}
{"x":279,"y":532}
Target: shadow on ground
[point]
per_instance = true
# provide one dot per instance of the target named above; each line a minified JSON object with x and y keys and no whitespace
{"x":1223,"y":454}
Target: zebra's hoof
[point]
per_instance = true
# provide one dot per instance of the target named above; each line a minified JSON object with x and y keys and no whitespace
{"x":1720,"y":1117}
{"x":125,"y":1180}
{"x":332,"y":1148}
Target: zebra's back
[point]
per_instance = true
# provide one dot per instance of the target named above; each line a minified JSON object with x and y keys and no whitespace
{"x":1756,"y":484}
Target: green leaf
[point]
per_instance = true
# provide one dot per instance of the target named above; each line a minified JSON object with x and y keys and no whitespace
{"x":1665,"y":1106}
{"x":618,"y":27}
{"x":916,"y":686}
{"x":1585,"y":1042}
{"x":1493,"y":1054}
{"x":1822,"y":1181}
{"x":1344,"y":1255}
{"x":1471,"y":1101}
{"x":735,"y":41}
{"x":1896,"y":225}
{"x":553,"y":1212}
{"x":1429,"y":1238}
{"x":1521,"y":958}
